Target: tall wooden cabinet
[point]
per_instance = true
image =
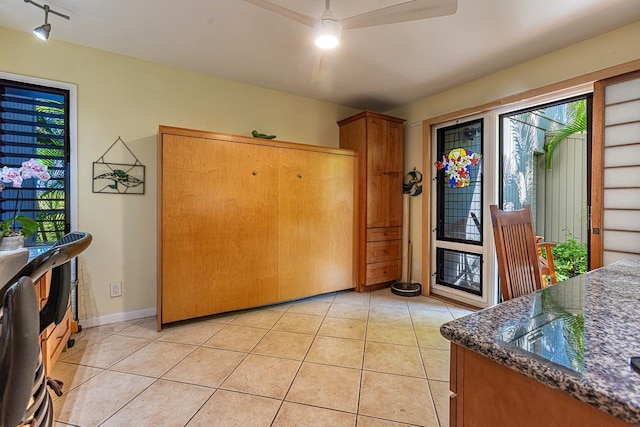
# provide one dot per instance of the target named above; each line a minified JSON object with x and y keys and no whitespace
{"x":378,"y":140}
{"x":245,"y":222}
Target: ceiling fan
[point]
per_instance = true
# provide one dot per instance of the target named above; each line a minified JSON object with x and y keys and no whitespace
{"x":327,"y":28}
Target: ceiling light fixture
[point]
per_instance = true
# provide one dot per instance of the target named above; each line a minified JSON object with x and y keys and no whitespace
{"x":42,"y":32}
{"x":327,"y":30}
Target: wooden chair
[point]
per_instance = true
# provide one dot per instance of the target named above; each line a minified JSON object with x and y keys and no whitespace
{"x":545,"y":258}
{"x":516,"y":249}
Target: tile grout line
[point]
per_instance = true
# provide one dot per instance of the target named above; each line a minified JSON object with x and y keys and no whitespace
{"x":364,"y":352}
{"x":156,"y":379}
{"x":371,"y":304}
{"x":299,"y":368}
{"x":426,"y":375}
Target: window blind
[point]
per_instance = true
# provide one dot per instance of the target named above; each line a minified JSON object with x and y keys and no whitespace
{"x":34,"y":124}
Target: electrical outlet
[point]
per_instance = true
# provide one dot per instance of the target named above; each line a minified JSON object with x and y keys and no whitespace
{"x":416,"y":266}
{"x":115,"y":289}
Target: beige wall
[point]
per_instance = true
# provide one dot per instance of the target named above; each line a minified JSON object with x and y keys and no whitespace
{"x":601,"y":52}
{"x":122,"y":96}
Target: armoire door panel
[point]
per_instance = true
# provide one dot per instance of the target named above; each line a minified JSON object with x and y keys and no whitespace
{"x":316,"y":200}
{"x":376,"y":174}
{"x":219,"y":212}
{"x":385,"y":174}
{"x":394,"y":156}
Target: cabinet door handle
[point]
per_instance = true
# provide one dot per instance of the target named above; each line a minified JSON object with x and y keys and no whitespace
{"x":254,"y":173}
{"x":300,"y":175}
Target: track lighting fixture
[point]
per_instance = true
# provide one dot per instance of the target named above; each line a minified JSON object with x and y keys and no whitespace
{"x":42,"y":32}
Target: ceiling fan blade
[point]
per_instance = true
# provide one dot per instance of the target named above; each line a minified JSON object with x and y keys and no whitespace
{"x":411,"y":10}
{"x":283,"y":11}
{"x":320,"y":65}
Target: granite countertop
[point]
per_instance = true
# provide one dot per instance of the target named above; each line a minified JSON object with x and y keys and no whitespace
{"x":576,"y":337}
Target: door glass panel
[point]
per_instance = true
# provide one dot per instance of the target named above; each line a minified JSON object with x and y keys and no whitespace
{"x":459,"y":270}
{"x":459,"y":211}
{"x":544,"y":163}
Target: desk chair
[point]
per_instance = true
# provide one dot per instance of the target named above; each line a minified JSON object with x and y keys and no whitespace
{"x":39,"y":409}
{"x":21,"y":397}
{"x":517,"y":252}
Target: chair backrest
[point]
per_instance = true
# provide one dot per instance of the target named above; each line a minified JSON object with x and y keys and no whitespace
{"x":22,"y":397}
{"x":516,"y":251}
{"x":19,"y":351}
{"x":70,"y":246}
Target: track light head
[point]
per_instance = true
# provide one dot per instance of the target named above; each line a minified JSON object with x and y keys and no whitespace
{"x":42,"y":32}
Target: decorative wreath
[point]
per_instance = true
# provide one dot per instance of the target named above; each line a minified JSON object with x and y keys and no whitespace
{"x":456,"y":166}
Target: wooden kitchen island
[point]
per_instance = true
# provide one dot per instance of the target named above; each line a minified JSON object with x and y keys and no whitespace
{"x":557,"y":357}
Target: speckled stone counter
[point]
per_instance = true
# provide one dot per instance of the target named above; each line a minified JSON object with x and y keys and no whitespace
{"x":576,"y":337}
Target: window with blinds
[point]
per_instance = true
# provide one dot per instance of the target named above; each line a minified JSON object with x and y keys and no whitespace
{"x":34,"y":124}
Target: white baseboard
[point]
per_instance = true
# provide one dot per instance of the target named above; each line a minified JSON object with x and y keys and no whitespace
{"x":118,"y":317}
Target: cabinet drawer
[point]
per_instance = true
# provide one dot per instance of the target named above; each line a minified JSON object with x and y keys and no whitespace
{"x":384,"y":251}
{"x":381,"y":272}
{"x":384,"y":233}
{"x":54,"y":340}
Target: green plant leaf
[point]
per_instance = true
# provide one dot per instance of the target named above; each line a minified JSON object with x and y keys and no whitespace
{"x":576,"y":123}
{"x":570,"y":258}
{"x":29,"y":225}
{"x":5,"y":226}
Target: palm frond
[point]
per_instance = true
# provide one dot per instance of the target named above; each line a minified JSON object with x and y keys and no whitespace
{"x":576,"y":123}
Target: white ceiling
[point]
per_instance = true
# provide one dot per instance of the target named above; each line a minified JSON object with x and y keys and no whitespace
{"x":377,"y":68}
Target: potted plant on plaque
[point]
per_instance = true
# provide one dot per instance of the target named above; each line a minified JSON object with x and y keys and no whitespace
{"x":18,"y":227}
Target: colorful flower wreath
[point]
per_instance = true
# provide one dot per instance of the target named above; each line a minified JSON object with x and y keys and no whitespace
{"x":456,"y":166}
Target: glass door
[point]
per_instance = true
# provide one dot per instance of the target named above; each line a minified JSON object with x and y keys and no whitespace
{"x":544,"y":163}
{"x":458,"y":250}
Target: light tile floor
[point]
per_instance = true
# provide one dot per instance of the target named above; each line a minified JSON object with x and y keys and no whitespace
{"x":340,"y":359}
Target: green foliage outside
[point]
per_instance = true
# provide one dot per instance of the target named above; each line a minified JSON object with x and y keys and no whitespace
{"x":570,"y":257}
{"x":576,"y":123}
{"x":51,"y":152}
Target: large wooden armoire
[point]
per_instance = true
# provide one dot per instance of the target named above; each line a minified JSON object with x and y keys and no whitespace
{"x":245,"y":222}
{"x":378,"y":140}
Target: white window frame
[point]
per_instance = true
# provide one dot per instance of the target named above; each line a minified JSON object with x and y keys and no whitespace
{"x":73,"y":134}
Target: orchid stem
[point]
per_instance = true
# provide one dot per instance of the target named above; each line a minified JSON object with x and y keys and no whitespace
{"x":17,"y":211}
